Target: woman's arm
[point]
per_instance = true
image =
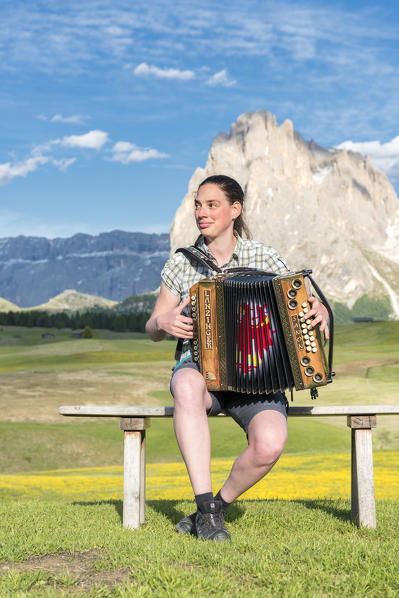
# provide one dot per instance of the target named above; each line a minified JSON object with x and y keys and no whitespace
{"x":167,"y":317}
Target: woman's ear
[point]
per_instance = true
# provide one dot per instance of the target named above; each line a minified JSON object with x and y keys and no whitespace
{"x":236,"y":209}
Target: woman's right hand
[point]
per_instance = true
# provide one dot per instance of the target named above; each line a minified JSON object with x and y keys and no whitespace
{"x":175,"y":323}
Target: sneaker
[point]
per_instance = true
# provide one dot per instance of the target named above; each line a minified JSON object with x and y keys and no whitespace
{"x":209,"y":522}
{"x":186,"y":525}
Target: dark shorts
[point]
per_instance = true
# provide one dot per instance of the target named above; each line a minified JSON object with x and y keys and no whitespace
{"x":241,"y":407}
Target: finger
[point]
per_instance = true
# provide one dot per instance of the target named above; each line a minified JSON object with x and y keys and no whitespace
{"x":316,"y":320}
{"x":183,"y":326}
{"x":185,"y":319}
{"x":183,"y":304}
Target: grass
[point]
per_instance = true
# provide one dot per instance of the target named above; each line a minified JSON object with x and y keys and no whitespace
{"x":29,"y":446}
{"x":279,"y":549}
{"x":69,"y":541}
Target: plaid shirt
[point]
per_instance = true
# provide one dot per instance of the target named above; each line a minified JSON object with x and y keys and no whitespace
{"x":179,"y":274}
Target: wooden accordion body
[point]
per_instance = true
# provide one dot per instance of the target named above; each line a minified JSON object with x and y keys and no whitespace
{"x":253,"y":335}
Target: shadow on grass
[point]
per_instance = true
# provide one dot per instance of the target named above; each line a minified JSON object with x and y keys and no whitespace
{"x":328,"y":506}
{"x":169,"y":510}
{"x":118,"y":504}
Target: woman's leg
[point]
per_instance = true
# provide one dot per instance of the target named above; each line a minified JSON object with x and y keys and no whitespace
{"x":267,"y":435}
{"x":191,"y":426}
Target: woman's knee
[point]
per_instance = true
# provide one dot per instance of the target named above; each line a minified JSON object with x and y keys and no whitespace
{"x":267,"y":438}
{"x":267,"y":451}
{"x":189,"y":389}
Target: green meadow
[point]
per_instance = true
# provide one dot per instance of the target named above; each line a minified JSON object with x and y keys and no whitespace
{"x":279,"y":548}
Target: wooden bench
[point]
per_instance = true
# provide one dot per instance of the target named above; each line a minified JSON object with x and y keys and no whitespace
{"x":135,"y":420}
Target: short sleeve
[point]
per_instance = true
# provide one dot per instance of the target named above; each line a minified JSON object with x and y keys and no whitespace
{"x":171,"y":274}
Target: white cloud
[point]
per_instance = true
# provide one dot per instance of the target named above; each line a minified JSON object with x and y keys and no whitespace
{"x":75,"y":119}
{"x":220,"y":79}
{"x":145,"y":69}
{"x":9,"y":171}
{"x":383,"y":155}
{"x":128,"y":153}
{"x":64,"y":163}
{"x":91,"y":140}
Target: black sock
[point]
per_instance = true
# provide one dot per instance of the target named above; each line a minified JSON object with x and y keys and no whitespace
{"x":201,"y":498}
{"x":225,"y":504}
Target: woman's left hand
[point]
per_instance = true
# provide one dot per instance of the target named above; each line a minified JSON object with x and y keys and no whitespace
{"x":320,"y":315}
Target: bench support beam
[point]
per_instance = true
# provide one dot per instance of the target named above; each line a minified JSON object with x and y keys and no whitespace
{"x":134,"y":470}
{"x":362,"y":474}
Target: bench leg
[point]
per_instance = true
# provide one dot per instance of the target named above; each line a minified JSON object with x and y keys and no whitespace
{"x":362,"y":478}
{"x":142,"y":477}
{"x":134,"y":471}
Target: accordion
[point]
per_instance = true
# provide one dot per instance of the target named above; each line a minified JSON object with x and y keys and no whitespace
{"x":253,"y":335}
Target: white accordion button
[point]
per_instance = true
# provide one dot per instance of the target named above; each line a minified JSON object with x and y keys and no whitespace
{"x":304,"y":304}
{"x":301,"y":314}
{"x":308,"y":349}
{"x":307,"y":343}
{"x":305,"y":311}
{"x":311,"y":338}
{"x":306,"y":337}
{"x":314,"y":349}
{"x":313,"y":344}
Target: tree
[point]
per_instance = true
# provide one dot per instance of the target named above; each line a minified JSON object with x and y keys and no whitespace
{"x":87,"y":332}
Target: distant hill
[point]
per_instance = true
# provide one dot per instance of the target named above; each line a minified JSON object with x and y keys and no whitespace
{"x":112,"y":265}
{"x":7,"y":305}
{"x":137,"y":303}
{"x":71,"y":300}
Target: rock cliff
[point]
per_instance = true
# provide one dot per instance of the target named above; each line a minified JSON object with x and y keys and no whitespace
{"x":112,"y":265}
{"x":328,"y":209}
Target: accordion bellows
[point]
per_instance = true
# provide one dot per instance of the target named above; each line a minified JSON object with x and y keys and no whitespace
{"x":253,"y":334}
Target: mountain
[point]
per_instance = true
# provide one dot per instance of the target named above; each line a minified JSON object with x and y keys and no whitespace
{"x":112,"y":265}
{"x":7,"y":305}
{"x":328,"y":209}
{"x":70,"y":300}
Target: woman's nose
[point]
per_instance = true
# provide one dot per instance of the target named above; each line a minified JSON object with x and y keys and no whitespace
{"x":201,"y":211}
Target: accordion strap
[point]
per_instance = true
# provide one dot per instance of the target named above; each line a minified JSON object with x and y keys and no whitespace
{"x":192,"y":253}
{"x":331,"y":324}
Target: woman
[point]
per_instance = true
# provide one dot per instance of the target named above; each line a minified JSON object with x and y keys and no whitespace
{"x":218,"y":213}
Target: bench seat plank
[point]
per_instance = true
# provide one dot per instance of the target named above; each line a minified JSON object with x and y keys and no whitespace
{"x":162,"y":411}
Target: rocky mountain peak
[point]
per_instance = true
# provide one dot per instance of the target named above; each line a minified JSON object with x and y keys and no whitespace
{"x":324,"y":208}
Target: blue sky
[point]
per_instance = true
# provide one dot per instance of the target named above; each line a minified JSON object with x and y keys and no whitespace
{"x":107,"y":108}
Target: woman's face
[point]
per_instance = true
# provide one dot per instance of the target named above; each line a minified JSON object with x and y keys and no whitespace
{"x":214,"y":214}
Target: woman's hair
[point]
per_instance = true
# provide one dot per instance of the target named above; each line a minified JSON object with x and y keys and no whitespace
{"x":233,"y":192}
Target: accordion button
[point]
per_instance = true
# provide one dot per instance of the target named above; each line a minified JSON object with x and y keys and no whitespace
{"x":302,"y":320}
{"x":307,"y":343}
{"x":307,"y":322}
{"x":313,"y":344}
{"x":308,"y":349}
{"x":310,"y":327}
{"x":304,"y":304}
{"x":306,"y":337}
{"x":314,"y":349}
{"x":305,"y":311}
{"x":311,"y":338}
{"x":301,"y":314}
